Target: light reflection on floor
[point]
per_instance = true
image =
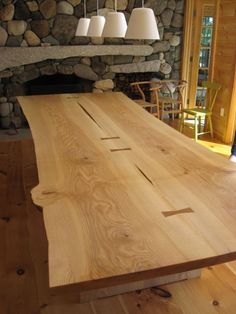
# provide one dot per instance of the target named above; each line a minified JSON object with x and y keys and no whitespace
{"x":211,"y":143}
{"x":216,"y":147}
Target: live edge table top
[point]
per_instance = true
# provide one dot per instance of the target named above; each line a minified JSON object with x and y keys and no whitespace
{"x":124,"y":196}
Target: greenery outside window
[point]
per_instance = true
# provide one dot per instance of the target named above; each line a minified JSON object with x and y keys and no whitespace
{"x":205,"y":52}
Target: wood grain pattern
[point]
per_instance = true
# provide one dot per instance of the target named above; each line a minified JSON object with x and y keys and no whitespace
{"x":103,"y":216}
{"x":217,"y":284}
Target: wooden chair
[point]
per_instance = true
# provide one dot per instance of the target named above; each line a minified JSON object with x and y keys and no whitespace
{"x":151,"y":88}
{"x":170,"y":97}
{"x":204,"y":110}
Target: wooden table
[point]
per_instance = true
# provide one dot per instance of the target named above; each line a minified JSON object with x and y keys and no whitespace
{"x":126,"y":199}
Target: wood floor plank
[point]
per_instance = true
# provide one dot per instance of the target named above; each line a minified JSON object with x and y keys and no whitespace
{"x":145,"y":302}
{"x":19,"y":280}
{"x":107,"y":306}
{"x":3,"y":176}
{"x":216,"y":290}
{"x":213,"y":293}
{"x":67,"y":309}
{"x":232,"y":266}
{"x":36,"y":230}
{"x":3,"y":223}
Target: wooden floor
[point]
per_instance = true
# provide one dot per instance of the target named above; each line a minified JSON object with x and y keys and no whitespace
{"x":23,"y":260}
{"x":206,"y":140}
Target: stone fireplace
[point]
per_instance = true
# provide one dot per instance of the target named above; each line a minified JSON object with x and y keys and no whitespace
{"x":37,"y":43}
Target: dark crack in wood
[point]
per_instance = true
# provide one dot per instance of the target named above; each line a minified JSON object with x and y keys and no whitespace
{"x":145,"y":176}
{"x":90,"y":116}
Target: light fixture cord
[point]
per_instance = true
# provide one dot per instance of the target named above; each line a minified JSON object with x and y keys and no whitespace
{"x":85,"y":8}
{"x":143,"y":3}
{"x":97,"y":7}
{"x":115,"y":5}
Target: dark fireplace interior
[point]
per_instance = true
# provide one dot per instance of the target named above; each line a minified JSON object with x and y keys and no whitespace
{"x":57,"y":84}
{"x":43,"y":85}
{"x":62,"y":84}
{"x":122,"y":82}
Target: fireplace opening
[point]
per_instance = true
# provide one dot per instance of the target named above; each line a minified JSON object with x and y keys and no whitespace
{"x":13,"y":117}
{"x":57,"y":84}
{"x":61,"y":84}
{"x":122,"y":82}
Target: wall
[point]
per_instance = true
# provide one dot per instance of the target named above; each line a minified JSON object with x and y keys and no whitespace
{"x":53,"y":23}
{"x":224,"y":70}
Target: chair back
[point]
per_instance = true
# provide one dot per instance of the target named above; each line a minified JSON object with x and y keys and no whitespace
{"x":172,"y":88}
{"x":212,"y":89}
{"x":145,"y":89}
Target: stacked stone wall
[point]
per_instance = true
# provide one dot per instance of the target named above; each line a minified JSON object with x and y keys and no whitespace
{"x":45,"y":23}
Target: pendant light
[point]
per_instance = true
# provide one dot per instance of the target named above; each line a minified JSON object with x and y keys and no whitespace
{"x":96,"y":25}
{"x":83,"y":25}
{"x":142,"y":24}
{"x":115,"y":25}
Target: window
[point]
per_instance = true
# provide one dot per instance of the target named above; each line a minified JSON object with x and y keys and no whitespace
{"x":205,"y":52}
{"x":205,"y":46}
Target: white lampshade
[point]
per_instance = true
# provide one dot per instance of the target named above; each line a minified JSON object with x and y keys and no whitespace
{"x":96,"y":26}
{"x":142,"y":25}
{"x":82,"y":28}
{"x":115,"y":25}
